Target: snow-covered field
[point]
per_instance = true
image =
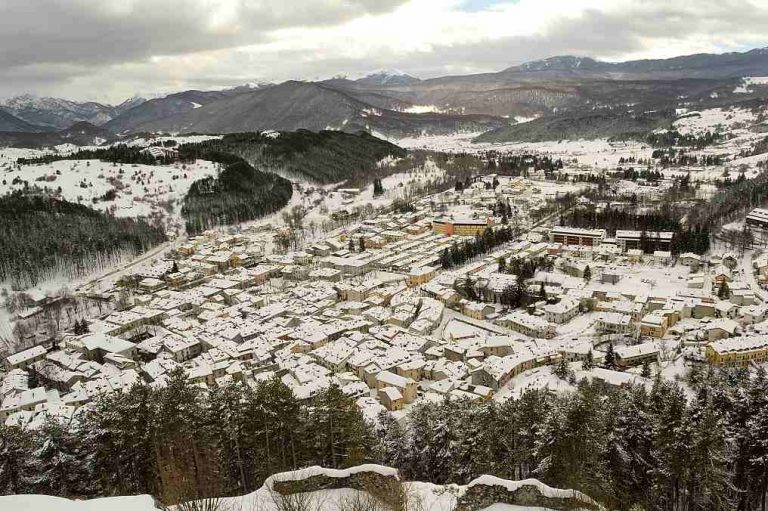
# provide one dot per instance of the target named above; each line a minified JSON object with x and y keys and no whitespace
{"x":47,"y":503}
{"x":321,"y":201}
{"x":713,"y":119}
{"x":140,"y":190}
{"x":186,"y":139}
{"x":747,"y":83}
{"x":599,"y":153}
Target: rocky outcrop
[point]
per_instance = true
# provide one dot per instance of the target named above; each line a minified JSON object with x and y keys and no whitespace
{"x":488,"y":490}
{"x":363,"y":478}
{"x":384,"y":483}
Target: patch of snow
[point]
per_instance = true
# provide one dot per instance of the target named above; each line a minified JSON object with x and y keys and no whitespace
{"x":371,"y":111}
{"x":315,"y":470}
{"x":519,"y":119}
{"x":747,"y":83}
{"x":47,"y":503}
{"x":421,"y":109}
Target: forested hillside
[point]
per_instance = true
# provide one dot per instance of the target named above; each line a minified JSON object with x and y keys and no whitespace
{"x":656,"y":447}
{"x":39,"y":235}
{"x":609,"y":123}
{"x":118,"y":153}
{"x":323,"y":157}
{"x":238,"y":194}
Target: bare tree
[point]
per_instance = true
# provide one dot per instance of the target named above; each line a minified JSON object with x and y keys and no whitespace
{"x":206,"y":504}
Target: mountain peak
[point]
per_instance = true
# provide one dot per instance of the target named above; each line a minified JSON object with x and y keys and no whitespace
{"x":388,"y":77}
{"x":249,"y":86}
{"x":559,"y":63}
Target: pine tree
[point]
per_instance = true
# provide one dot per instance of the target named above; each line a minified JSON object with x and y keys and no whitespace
{"x":184,"y":452}
{"x":15,"y":458}
{"x":362,"y":245}
{"x":391,"y":449}
{"x":378,"y":188}
{"x":57,"y":465}
{"x":589,"y":361}
{"x":351,"y":245}
{"x":610,"y":358}
{"x":562,"y":371}
{"x":225,"y":420}
{"x":341,"y":438}
{"x":646,"y":369}
{"x":756,"y":429}
{"x":587,"y":274}
{"x":723,"y":291}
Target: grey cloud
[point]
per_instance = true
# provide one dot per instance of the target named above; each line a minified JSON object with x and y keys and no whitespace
{"x":609,"y":36}
{"x":114,"y":31}
{"x":595,"y":33}
{"x":599,"y":34}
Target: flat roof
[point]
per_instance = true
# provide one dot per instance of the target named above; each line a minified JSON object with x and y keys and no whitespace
{"x":664,"y":235}
{"x":576,"y":231}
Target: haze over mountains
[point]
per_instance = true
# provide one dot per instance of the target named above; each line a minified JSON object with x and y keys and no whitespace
{"x":561,"y":92}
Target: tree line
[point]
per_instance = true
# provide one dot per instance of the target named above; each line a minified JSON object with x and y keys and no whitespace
{"x":688,"y":237}
{"x":179,"y":442}
{"x":520,"y":164}
{"x":675,"y":138}
{"x":627,"y":447}
{"x":118,"y":153}
{"x":658,"y":447}
{"x":672,"y":157}
{"x":462,"y":252}
{"x":759,"y":147}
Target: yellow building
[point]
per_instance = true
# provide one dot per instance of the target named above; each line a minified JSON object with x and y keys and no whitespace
{"x":654,"y":325}
{"x":422,"y":275}
{"x":462,"y":227}
{"x":737,"y":351}
{"x":391,"y":398}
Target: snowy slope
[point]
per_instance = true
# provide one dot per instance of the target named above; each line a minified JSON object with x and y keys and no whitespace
{"x":141,"y":190}
{"x":423,"y":495}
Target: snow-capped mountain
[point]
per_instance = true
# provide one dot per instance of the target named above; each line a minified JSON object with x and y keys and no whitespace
{"x":58,"y":113}
{"x":561,"y":63}
{"x":129,"y":103}
{"x":388,"y":77}
{"x":248,"y":86}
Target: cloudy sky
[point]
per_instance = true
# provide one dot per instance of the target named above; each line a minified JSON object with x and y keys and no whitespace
{"x":108,"y":50}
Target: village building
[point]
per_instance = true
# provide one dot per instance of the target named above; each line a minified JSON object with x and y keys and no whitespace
{"x":738,"y":351}
{"x":628,"y":356}
{"x":576,"y":236}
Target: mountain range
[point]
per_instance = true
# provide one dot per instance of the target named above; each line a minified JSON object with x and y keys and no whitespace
{"x":559,"y":91}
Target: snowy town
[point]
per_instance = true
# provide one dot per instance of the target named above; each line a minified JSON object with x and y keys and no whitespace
{"x":463,"y":295}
